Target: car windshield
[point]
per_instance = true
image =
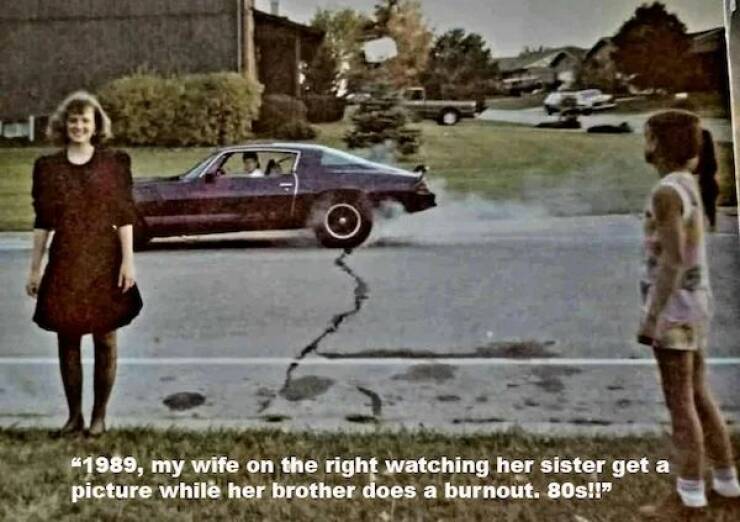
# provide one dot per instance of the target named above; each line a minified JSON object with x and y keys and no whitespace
{"x":590,"y":94}
{"x":196,"y":170}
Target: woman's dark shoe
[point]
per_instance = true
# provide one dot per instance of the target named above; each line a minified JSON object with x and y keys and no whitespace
{"x":74,"y":426}
{"x":97,"y":428}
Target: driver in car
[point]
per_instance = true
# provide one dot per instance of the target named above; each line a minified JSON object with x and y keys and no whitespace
{"x":252,"y":165}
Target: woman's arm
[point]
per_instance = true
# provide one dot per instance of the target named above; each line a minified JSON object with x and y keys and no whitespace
{"x":127,"y":274}
{"x":40,"y":240}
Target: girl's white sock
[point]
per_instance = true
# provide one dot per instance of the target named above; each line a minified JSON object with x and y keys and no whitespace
{"x":725,"y":483}
{"x":691,"y":492}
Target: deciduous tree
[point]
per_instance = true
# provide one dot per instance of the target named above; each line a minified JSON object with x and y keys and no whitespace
{"x":652,"y":49}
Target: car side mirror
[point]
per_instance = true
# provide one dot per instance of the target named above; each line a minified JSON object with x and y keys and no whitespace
{"x":210,"y":177}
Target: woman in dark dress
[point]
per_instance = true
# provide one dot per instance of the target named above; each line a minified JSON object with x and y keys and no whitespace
{"x":83,"y":195}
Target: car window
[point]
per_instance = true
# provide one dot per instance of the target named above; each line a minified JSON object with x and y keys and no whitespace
{"x":269,"y":163}
{"x":414,"y":94}
{"x":339,"y":159}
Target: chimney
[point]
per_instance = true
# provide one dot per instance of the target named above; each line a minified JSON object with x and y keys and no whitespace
{"x":275,"y":7}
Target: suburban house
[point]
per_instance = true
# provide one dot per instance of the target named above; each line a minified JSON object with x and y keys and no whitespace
{"x":709,"y":64}
{"x":709,"y":49}
{"x":547,"y":68}
{"x":599,"y":69}
{"x":51,"y":48}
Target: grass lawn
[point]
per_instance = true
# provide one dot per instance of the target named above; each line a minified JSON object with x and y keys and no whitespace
{"x":37,"y":477}
{"x":564,"y":173}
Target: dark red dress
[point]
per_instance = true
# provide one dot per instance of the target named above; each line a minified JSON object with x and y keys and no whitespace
{"x":84,"y":204}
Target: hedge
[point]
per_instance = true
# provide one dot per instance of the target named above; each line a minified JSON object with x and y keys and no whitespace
{"x":278,"y":110}
{"x":197,"y":109}
{"x":324,"y":108}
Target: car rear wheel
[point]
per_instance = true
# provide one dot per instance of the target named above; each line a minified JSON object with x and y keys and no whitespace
{"x":342,"y":221}
{"x":449,"y":117}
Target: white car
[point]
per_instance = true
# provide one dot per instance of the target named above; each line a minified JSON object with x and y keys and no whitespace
{"x":585,"y":101}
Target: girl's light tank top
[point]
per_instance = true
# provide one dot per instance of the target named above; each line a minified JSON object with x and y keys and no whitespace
{"x":690,"y":303}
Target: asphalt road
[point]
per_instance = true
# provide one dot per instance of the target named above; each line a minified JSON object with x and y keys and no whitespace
{"x":721,"y":128}
{"x":471,"y":320}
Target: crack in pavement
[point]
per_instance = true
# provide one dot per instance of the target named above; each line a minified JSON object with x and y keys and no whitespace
{"x":493,"y":350}
{"x":376,"y":403}
{"x":361,"y":292}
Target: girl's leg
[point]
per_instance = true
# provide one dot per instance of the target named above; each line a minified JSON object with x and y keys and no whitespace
{"x":70,"y":364}
{"x":677,"y":377}
{"x":716,"y":436}
{"x":718,"y":447}
{"x":105,"y":376}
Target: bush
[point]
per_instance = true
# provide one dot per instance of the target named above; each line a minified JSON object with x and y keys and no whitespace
{"x":381,"y":119}
{"x":324,"y":108}
{"x":197,"y":109}
{"x":295,"y":130}
{"x":278,"y":110}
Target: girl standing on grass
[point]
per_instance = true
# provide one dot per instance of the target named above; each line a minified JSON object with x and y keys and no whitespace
{"x":82,"y":194}
{"x":676,"y":311}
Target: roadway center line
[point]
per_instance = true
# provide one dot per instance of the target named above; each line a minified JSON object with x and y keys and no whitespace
{"x":315,"y":361}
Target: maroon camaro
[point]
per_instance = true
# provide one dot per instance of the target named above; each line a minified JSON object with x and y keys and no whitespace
{"x":277,"y":186}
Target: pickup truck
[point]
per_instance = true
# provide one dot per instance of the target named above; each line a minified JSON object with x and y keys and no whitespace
{"x":444,"y":112}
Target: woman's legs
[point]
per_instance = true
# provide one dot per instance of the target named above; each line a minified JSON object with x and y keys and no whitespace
{"x":677,"y":378}
{"x":70,"y":365}
{"x":105,"y":376}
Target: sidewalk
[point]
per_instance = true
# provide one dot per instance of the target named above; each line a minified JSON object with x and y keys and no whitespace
{"x":615,"y":397}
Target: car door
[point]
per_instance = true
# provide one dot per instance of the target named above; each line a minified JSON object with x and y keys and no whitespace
{"x":267,"y":201}
{"x":191,"y":204}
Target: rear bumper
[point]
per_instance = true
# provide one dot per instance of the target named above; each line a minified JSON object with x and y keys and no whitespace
{"x":418,"y":202}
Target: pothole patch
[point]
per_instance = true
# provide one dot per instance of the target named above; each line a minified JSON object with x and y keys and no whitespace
{"x":361,"y":419}
{"x":307,"y":387}
{"x":275,"y":418}
{"x":182,"y":401}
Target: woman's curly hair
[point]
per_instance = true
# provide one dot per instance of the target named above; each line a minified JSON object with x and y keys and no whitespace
{"x":76,"y":103}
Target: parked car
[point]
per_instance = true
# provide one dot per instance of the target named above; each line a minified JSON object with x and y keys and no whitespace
{"x":301,"y":186}
{"x":585,"y":101}
{"x":444,"y":112}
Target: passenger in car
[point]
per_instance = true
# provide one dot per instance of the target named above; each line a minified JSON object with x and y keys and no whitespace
{"x":252,"y":165}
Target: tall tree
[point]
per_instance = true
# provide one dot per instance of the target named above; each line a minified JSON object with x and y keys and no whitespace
{"x":339,"y":54}
{"x":403,"y":21}
{"x":652,"y":48}
{"x":460,"y":66}
{"x":322,"y":72}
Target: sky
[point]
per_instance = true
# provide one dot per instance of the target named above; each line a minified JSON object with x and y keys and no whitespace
{"x":510,"y":25}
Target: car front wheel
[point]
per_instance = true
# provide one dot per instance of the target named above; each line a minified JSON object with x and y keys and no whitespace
{"x":342,"y":221}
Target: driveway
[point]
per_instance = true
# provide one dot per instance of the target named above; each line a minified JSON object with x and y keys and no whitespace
{"x":720,"y":128}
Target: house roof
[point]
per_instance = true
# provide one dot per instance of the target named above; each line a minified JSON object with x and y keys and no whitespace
{"x":538,"y":59}
{"x":709,"y":41}
{"x":283,"y":21}
{"x":603,"y":42}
